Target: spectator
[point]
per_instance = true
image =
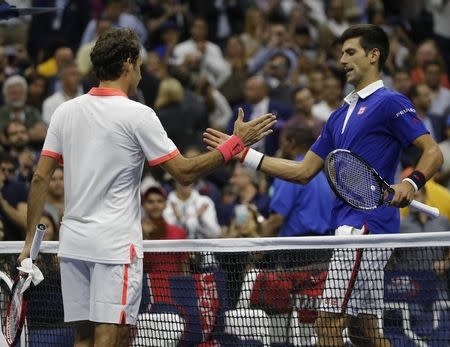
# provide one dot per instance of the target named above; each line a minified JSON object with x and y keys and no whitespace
{"x":254,"y":28}
{"x":299,"y":210}
{"x":54,"y":205}
{"x":332,"y":99}
{"x":71,"y":87}
{"x":303,"y":100}
{"x":276,"y":74}
{"x":278,"y":42}
{"x":52,"y":233}
{"x":13,"y":205}
{"x":257,"y":101}
{"x":16,"y":138}
{"x":116,"y":11}
{"x":426,"y":52}
{"x":218,"y":108}
{"x":334,"y":25}
{"x":443,"y":176}
{"x":440,"y":10}
{"x":83,"y":58}
{"x":37,"y":90}
{"x":159,"y":267}
{"x":402,"y":81}
{"x":420,"y":95}
{"x":49,"y":68}
{"x":15,"y":91}
{"x":193,"y":212}
{"x":179,"y":124}
{"x":26,"y":164}
{"x":233,"y":87}
{"x":170,"y":37}
{"x":440,"y":96}
{"x":8,"y":167}
{"x":200,"y":56}
{"x":244,"y":183}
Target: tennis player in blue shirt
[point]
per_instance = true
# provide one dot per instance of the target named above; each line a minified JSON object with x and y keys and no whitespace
{"x":375,"y":123}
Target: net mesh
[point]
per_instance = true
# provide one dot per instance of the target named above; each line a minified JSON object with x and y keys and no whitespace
{"x":269,"y":292}
{"x":353,"y":180}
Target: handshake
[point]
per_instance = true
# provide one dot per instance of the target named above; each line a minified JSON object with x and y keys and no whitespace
{"x":244,"y":135}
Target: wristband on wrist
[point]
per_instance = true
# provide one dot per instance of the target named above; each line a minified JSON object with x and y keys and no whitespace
{"x":231,"y":147}
{"x":416,"y":179}
{"x":252,"y":159}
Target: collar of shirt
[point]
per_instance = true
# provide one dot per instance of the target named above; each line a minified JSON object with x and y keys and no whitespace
{"x":365,"y":92}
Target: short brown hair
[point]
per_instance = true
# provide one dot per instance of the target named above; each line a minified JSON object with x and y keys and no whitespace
{"x":112,"y":49}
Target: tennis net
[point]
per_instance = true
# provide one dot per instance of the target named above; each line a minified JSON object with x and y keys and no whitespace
{"x":268,"y":292}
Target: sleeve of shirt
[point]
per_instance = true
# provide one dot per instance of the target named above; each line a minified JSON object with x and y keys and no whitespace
{"x":324,"y":143}
{"x":283,"y":198}
{"x":52,"y":145}
{"x":403,"y":121}
{"x":153,"y":139}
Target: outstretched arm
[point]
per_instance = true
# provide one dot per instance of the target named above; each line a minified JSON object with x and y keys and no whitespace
{"x":188,"y":170}
{"x":299,"y":172}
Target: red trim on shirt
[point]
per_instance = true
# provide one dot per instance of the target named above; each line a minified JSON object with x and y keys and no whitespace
{"x":103,"y":91}
{"x":164,"y":158}
{"x":58,"y":157}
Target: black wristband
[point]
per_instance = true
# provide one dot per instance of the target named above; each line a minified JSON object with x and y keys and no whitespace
{"x":418,"y":178}
{"x":260,"y":162}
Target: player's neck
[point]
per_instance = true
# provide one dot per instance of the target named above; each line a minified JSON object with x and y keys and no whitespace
{"x":116,"y":84}
{"x":368,"y":79}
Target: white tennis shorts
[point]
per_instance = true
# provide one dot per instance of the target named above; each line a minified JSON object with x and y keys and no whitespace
{"x":355,"y":281}
{"x":103,"y":293}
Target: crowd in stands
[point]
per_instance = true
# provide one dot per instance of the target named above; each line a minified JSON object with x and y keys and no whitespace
{"x":203,"y":60}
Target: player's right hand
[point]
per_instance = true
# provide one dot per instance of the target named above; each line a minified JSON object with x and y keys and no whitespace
{"x":252,"y":131}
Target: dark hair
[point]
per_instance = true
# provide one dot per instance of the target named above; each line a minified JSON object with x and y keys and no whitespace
{"x":302,"y":136}
{"x":111,"y":50}
{"x":154,"y":190}
{"x":11,"y":122}
{"x":371,"y":36}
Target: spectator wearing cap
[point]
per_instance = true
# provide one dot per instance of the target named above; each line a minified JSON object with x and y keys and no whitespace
{"x":200,"y":56}
{"x":15,"y":108}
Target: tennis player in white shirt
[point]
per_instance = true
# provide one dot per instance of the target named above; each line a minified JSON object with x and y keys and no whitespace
{"x":104,"y":139}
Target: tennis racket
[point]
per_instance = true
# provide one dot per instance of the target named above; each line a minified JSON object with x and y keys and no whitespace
{"x":358,"y":184}
{"x":16,"y":310}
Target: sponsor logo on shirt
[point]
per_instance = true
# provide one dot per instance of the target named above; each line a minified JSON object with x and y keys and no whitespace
{"x":361,"y":110}
{"x":405,"y":111}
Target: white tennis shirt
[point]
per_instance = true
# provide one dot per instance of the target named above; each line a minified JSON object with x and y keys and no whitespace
{"x":103,"y":139}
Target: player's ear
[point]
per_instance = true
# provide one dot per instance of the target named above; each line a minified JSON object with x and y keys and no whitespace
{"x":374,"y":56}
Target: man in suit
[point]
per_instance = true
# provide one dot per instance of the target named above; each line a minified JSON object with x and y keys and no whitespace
{"x":257,"y":100}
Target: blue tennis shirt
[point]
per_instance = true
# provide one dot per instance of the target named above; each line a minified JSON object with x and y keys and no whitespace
{"x":306,"y":208}
{"x":375,"y":123}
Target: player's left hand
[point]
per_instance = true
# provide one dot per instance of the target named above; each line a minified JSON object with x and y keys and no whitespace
{"x":404,"y":194}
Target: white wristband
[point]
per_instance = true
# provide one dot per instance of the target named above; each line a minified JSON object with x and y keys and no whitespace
{"x":410,"y":181}
{"x":253,"y":159}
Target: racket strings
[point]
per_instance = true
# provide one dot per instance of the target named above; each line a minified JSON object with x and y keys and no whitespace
{"x":354,"y":181}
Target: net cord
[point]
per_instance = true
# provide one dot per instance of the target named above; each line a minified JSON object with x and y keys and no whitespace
{"x":437,"y":239}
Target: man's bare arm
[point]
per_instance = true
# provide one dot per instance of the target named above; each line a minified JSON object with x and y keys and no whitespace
{"x":429,"y":163}
{"x":294,"y":171}
{"x":36,"y":199}
{"x":272,"y":225}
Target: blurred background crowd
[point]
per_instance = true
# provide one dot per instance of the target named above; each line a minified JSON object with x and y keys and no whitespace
{"x":203,"y":60}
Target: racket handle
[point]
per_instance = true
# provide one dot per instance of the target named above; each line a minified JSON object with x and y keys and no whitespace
{"x":37,"y":239}
{"x":431,"y":211}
